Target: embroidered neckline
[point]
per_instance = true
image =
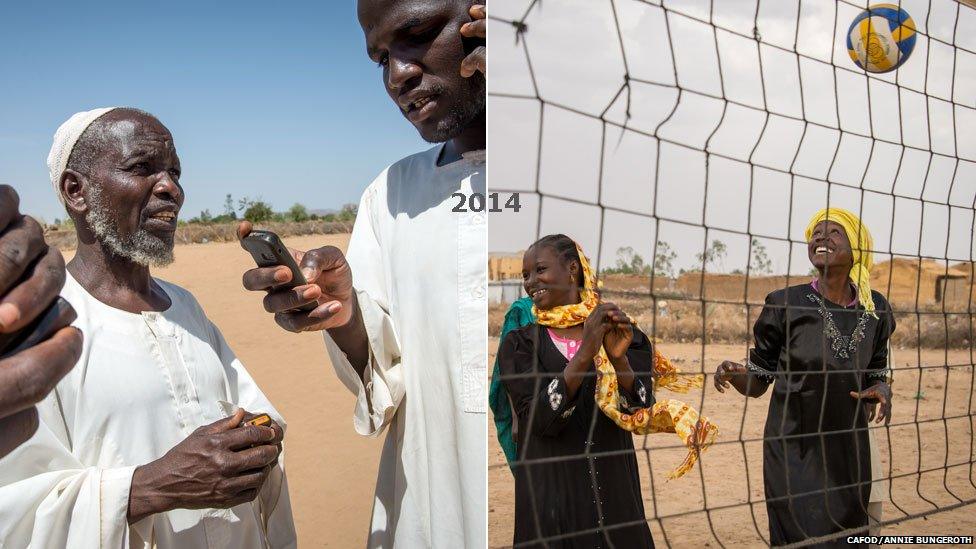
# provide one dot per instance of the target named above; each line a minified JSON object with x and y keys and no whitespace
{"x":843,"y":346}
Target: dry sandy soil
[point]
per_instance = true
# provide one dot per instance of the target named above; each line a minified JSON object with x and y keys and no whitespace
{"x":674,"y":508}
{"x":331,"y":469}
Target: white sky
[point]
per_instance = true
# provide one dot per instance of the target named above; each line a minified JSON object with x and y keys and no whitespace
{"x":576,"y":57}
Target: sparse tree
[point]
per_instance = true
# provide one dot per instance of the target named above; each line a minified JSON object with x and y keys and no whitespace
{"x":229,"y":207}
{"x":664,"y":260}
{"x":761,"y":264}
{"x":244,"y":203}
{"x":714,"y":254}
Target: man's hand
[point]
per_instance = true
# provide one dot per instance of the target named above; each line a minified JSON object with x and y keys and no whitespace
{"x":330,"y":285}
{"x":879,"y":393}
{"x":475,"y":61}
{"x":31,"y":276}
{"x":279,"y":432}
{"x":218,"y":466}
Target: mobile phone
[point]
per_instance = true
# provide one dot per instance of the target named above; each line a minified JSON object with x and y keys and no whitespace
{"x":268,"y":251}
{"x":59,"y":313}
{"x":263,"y":419}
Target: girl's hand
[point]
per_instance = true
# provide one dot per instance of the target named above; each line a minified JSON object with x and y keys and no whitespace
{"x":593,"y":330}
{"x":618,"y":335}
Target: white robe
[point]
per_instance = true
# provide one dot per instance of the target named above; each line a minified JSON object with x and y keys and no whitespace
{"x":420,"y":272}
{"x":143,"y":383}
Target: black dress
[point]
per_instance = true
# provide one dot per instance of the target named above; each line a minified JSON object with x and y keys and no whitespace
{"x":816,"y":458}
{"x":597,"y":487}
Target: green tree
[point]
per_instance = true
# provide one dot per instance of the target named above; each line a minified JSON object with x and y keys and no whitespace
{"x":761,"y":264}
{"x":205,"y":218}
{"x":258,"y":211}
{"x":629,"y":263}
{"x":348,"y":212}
{"x":298,"y":213}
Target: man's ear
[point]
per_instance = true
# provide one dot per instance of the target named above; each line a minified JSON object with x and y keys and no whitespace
{"x":73,"y":189}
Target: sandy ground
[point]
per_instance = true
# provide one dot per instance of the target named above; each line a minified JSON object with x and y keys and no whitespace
{"x":331,"y":469}
{"x":675,"y":508}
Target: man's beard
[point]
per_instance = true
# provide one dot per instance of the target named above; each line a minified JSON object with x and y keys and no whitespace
{"x":464,"y":111}
{"x":141,"y":247}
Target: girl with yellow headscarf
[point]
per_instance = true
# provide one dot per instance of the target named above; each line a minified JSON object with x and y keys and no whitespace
{"x":581,"y":380}
{"x":823,"y":346}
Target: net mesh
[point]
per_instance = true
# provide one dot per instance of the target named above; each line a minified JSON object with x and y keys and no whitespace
{"x":701,"y":136}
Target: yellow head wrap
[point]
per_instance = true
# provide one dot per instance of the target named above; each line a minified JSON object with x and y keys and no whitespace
{"x":861,"y":246}
{"x":666,"y":416}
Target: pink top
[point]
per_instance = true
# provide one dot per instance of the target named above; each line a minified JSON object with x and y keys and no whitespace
{"x":816,"y":286}
{"x":566,"y":346}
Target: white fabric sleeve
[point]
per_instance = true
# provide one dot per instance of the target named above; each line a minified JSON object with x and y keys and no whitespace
{"x":49,"y":499}
{"x":380,"y":391}
{"x":273,"y":500}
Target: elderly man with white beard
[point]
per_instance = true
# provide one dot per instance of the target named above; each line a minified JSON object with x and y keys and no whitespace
{"x":146,"y":442}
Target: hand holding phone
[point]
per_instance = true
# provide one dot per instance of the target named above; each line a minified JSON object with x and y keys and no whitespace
{"x":269,"y":251}
{"x":328,"y":284}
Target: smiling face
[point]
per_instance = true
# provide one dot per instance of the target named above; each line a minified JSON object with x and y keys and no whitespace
{"x":548,"y":280}
{"x":418,"y":46}
{"x":829,"y":247}
{"x":131,"y":197}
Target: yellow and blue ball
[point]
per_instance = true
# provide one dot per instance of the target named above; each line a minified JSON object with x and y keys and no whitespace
{"x":881,"y":38}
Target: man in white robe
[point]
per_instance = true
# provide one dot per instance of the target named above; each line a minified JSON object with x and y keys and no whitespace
{"x":405,"y":310}
{"x":135,"y":447}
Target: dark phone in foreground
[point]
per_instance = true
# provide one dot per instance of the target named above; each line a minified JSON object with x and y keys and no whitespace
{"x":269,"y":251}
{"x":58,"y":315}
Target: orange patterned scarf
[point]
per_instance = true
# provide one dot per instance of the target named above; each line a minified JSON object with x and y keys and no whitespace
{"x":666,"y":416}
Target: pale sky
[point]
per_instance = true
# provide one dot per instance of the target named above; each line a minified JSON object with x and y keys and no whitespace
{"x":577,"y":60}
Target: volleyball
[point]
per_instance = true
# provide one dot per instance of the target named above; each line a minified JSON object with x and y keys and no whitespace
{"x":881,"y":38}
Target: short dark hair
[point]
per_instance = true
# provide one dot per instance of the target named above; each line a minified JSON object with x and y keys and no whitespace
{"x":91,"y":141}
{"x":565,"y":248}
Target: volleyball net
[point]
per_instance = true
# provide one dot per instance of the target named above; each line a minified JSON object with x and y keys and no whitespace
{"x":685,"y":145}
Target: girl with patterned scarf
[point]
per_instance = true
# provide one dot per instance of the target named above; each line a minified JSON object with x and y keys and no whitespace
{"x":823,"y":346}
{"x":580,"y":381}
